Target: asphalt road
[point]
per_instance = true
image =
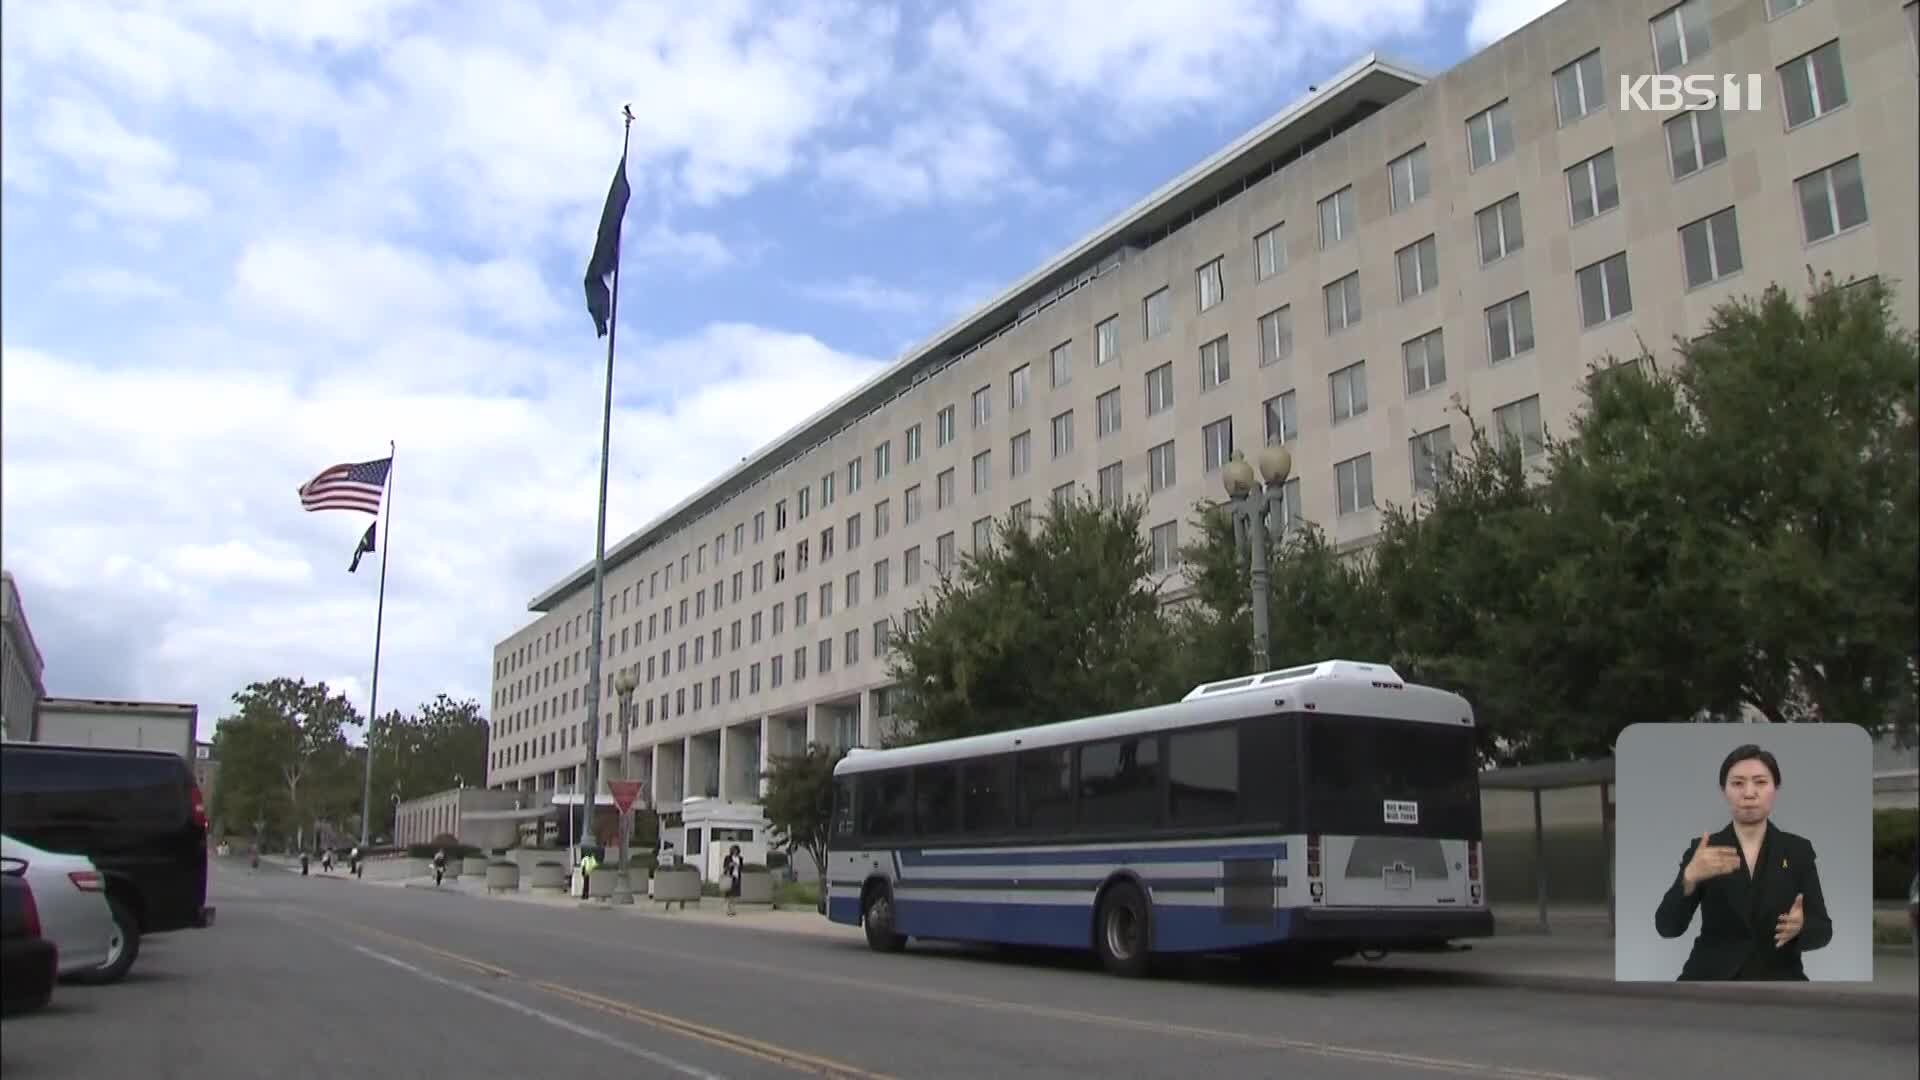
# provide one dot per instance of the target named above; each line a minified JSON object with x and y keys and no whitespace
{"x":312,"y":978}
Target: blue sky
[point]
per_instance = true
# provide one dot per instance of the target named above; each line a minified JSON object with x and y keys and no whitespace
{"x":244,"y":241}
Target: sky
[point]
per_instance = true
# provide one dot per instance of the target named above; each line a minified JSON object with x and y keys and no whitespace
{"x":241,"y":242}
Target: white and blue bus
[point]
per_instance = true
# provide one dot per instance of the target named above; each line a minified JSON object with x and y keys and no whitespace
{"x":1309,"y":813}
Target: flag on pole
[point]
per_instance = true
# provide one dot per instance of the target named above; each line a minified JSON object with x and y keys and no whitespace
{"x":365,"y":548}
{"x":606,"y":251}
{"x":347,"y":487}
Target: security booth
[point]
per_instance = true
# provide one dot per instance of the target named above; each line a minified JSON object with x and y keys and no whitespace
{"x":709,"y":827}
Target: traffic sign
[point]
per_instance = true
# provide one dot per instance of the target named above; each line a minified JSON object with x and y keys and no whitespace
{"x":624,"y":793}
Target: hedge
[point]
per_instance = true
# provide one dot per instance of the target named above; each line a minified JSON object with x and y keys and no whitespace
{"x":1896,"y":838}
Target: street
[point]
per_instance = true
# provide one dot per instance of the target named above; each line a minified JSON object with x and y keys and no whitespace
{"x":309,"y":977}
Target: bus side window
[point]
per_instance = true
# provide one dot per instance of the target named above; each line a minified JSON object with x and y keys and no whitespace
{"x":843,"y":807}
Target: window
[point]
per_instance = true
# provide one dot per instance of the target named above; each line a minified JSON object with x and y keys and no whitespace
{"x":1063,"y":494}
{"x":779,"y":619}
{"x":1282,"y":418}
{"x":853,"y":589}
{"x":1832,"y":200}
{"x":759,"y":579}
{"x":1777,"y":8}
{"x":1019,"y":385}
{"x":982,"y":535}
{"x":882,"y":577}
{"x":1022,"y":515}
{"x":1490,"y":136}
{"x":799,"y":559}
{"x":1710,"y":248}
{"x":884,"y":804}
{"x":1217,"y":443}
{"x":826,"y":490}
{"x":982,"y":407}
{"x":850,"y":647}
{"x":1203,"y":776}
{"x":1813,"y":84}
{"x":1431,"y":451}
{"x":1215,"y":367}
{"x":1510,"y":328}
{"x":1695,"y":140}
{"x":943,"y":553}
{"x":1164,"y":539}
{"x":913,"y":444}
{"x":943,"y":427}
{"x":1579,"y":88}
{"x":1519,"y":422}
{"x":910,"y":567}
{"x":943,"y":490}
{"x":1353,"y":484}
{"x":826,"y":544}
{"x":1500,"y":231}
{"x":1336,"y":217}
{"x":805,"y":499}
{"x":853,"y":532}
{"x":882,"y":518}
{"x":1111,"y":485}
{"x":1347,"y":389}
{"x":1409,"y":178}
{"x":1210,"y":282}
{"x":1106,"y":413}
{"x":1680,"y":35}
{"x":1276,"y":335}
{"x":1343,"y":303}
{"x":1160,"y":467}
{"x":881,"y":637}
{"x":1061,"y":362}
{"x":737,"y":584}
{"x":1156,"y":316}
{"x":779,"y":567}
{"x":1270,"y":252}
{"x":1120,"y":783}
{"x":1425,"y":362}
{"x":1160,"y":389}
{"x":1063,"y":434}
{"x":779,"y":523}
{"x":986,"y":795}
{"x":753,"y":678}
{"x":883,"y":460}
{"x":1020,"y":454}
{"x":1592,"y":188}
{"x":982,"y":471}
{"x":1106,"y":341}
{"x":824,"y":652}
{"x":1045,"y":789}
{"x":1605,"y":292}
{"x":1419,"y":267}
{"x":912,"y":498}
{"x":759,"y":530}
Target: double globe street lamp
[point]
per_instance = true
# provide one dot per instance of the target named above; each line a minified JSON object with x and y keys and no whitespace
{"x":1251,"y":498}
{"x":623,"y":684}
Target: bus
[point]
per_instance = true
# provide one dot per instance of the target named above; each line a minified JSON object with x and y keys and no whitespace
{"x":1303,"y":815}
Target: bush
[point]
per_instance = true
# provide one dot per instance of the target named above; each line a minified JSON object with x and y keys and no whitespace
{"x":1896,"y":831}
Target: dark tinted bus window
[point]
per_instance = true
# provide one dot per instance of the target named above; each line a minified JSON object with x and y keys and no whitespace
{"x":986,"y":804}
{"x":885,"y":812}
{"x":1046,"y":789}
{"x":1270,"y":791}
{"x":843,"y":807}
{"x":935,"y":800}
{"x":1355,"y":765}
{"x":1203,"y":774}
{"x":1120,"y":783}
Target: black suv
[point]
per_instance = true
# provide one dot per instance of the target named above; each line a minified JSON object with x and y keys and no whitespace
{"x":136,"y":813}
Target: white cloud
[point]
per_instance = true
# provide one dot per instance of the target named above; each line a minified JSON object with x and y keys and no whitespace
{"x":863,"y":293}
{"x":1495,"y":19}
{"x":116,"y":283}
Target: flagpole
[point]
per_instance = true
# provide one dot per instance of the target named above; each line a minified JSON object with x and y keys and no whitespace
{"x":597,"y":646}
{"x":379,"y":622}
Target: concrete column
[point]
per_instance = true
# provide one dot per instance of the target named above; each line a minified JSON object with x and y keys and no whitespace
{"x":869,"y":735}
{"x":686,"y":767}
{"x":813,"y":723}
{"x":766,"y":756}
{"x":653,"y":774}
{"x":725,"y":756}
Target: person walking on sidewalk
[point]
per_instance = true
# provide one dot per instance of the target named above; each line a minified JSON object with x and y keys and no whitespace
{"x":588,"y":864}
{"x":439,"y":867}
{"x":731,"y":868}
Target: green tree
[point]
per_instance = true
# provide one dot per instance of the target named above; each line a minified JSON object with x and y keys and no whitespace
{"x":799,"y":802}
{"x":1056,"y":619}
{"x":441,"y":745}
{"x":288,"y":738}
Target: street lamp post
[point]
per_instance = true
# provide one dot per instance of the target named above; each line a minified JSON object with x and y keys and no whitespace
{"x":1252,"y":497}
{"x":623,"y":684}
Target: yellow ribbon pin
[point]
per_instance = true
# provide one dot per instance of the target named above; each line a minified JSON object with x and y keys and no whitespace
{"x":1783,"y":864}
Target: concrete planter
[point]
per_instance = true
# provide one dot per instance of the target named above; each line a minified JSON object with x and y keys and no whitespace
{"x":756,"y":887}
{"x":419,"y":867}
{"x":454,"y":868}
{"x":679,"y":883}
{"x":473,"y":864}
{"x":549,"y":878}
{"x":503,"y":877}
{"x":600,"y":883}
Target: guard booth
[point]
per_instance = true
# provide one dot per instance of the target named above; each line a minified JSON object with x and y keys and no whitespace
{"x":709,"y":827}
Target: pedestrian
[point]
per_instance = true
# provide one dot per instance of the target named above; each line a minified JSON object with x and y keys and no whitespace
{"x":305,"y":862}
{"x":588,"y":864}
{"x":326,"y":861}
{"x":731,"y":868}
{"x":439,"y":866}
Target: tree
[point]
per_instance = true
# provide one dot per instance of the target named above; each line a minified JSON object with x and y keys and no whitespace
{"x":289,"y":744}
{"x":799,"y":802}
{"x":1052,"y":621}
{"x":439,"y":746}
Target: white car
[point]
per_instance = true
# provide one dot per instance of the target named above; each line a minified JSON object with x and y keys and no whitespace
{"x":71,"y":896}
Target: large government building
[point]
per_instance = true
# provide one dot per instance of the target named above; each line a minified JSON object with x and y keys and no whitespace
{"x":1341,"y":280}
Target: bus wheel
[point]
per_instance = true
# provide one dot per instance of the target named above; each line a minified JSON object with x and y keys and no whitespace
{"x":1123,"y":930}
{"x":877,"y":914}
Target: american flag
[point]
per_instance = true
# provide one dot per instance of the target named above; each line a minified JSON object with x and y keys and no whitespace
{"x":347,"y":487}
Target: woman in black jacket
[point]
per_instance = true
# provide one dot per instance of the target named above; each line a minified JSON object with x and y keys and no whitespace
{"x":1755,"y":885}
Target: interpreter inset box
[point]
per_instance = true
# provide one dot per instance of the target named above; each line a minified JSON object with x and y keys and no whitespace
{"x":1744,"y":852}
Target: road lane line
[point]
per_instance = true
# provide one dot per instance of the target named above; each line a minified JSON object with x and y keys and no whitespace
{"x":720,"y":1037}
{"x":560,"y":1022}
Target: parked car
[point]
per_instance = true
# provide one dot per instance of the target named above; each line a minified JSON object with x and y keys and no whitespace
{"x":71,"y":895}
{"x":136,"y":813}
{"x":28,"y":962}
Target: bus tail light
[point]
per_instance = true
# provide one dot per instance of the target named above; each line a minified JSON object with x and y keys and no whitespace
{"x":1313,"y":856}
{"x":1473,"y":871}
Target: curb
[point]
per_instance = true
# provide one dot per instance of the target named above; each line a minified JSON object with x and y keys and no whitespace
{"x":1819,"y":996}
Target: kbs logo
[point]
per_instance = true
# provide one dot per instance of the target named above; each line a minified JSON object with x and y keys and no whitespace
{"x":1677,"y":93}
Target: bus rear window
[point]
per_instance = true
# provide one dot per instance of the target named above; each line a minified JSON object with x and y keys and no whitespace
{"x":1356,"y":765}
